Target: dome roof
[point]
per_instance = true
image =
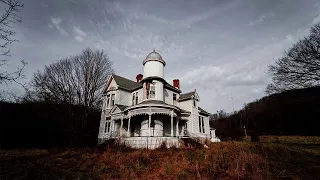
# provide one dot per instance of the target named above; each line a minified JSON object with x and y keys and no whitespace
{"x":154,"y":56}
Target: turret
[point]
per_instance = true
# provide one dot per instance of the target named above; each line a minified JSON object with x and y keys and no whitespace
{"x":153,"y":75}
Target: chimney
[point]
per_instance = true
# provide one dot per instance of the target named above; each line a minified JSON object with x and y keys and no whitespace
{"x":176,"y":83}
{"x":139,"y":77}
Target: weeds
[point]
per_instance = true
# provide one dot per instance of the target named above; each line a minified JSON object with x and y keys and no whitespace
{"x":272,"y":158}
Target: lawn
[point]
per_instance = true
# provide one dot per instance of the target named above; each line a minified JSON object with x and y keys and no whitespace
{"x":285,"y":157}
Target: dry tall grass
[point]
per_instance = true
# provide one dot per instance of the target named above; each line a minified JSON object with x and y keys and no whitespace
{"x":273,"y":158}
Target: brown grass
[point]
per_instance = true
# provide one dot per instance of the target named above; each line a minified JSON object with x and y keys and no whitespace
{"x":273,"y":158}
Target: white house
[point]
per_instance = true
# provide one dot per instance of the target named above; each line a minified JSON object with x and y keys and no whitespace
{"x":148,"y":111}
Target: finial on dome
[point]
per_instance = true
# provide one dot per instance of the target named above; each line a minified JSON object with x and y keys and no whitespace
{"x":154,"y":50}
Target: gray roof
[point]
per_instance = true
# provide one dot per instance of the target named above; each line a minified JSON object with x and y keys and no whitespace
{"x":126,"y":84}
{"x":129,"y":85}
{"x":186,"y":96}
{"x":153,"y":102}
{"x":203,"y":111}
{"x":121,"y":107}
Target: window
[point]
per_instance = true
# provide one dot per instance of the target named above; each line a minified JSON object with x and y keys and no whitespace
{"x":200,"y":130}
{"x":152,"y":91}
{"x":108,"y":99}
{"x":137,"y":98}
{"x":107,"y":127}
{"x":202,"y":125}
{"x":194,"y":102}
{"x":174,"y":97}
{"x":133,"y":98}
{"x":112,"y":99}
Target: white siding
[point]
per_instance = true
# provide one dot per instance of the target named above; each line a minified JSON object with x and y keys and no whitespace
{"x":168,"y":96}
{"x":153,"y":68}
{"x":140,"y":96}
{"x":123,"y":97}
{"x":185,"y":105}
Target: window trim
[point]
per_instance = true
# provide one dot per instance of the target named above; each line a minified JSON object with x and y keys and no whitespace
{"x":203,"y":131}
{"x":150,"y":90}
{"x":137,"y":98}
{"x":133,"y":98}
{"x":113,"y":100}
{"x":108,"y":99}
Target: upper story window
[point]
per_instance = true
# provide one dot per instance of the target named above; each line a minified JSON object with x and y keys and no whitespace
{"x":194,"y":102}
{"x":108,"y":100}
{"x":152,"y":91}
{"x":112,"y":99}
{"x":174,"y":98}
{"x":135,"y":98}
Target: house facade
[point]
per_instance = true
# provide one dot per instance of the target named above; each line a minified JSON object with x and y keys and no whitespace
{"x":149,"y":111}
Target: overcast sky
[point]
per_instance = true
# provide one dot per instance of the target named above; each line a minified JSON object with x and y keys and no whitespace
{"x":221,"y":48}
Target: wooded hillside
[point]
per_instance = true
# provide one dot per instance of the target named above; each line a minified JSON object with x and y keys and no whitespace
{"x":293,"y":112}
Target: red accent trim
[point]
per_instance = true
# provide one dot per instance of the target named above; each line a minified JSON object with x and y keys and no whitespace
{"x":147,"y":89}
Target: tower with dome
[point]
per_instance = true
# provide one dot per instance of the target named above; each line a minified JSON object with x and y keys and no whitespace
{"x":149,"y":111}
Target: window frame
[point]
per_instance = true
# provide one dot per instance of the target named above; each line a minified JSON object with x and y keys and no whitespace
{"x":137,"y":98}
{"x":113,"y":97}
{"x":133,"y":98}
{"x":203,"y":131}
{"x":154,"y":90}
{"x":108,"y":99}
{"x":194,"y":102}
{"x":174,"y":97}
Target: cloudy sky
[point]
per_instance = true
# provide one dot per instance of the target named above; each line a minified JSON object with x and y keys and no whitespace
{"x":220,"y":47}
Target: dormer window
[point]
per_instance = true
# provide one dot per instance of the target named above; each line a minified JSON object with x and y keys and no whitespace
{"x":152,"y":91}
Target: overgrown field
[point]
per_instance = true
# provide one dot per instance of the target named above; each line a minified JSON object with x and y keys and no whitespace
{"x":292,"y":157}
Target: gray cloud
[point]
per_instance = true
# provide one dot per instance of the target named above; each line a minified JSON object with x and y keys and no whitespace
{"x":221,"y":48}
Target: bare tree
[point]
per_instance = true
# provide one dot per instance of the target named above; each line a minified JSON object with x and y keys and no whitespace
{"x":300,"y":66}
{"x":75,"y":80}
{"x":7,"y":19}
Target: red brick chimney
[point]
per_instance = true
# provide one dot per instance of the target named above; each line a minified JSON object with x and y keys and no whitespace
{"x":139,"y":77}
{"x":176,"y":83}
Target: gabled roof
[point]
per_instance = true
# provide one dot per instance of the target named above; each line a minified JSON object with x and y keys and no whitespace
{"x":186,"y":96}
{"x":126,"y":84}
{"x":202,"y":111}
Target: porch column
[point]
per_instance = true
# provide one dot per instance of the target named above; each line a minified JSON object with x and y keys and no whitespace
{"x":149,"y":126}
{"x":172,"y":123}
{"x":129,"y":126}
{"x":121,"y":126}
{"x":177,"y":128}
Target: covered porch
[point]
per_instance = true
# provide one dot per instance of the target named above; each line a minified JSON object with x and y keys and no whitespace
{"x":149,"y":122}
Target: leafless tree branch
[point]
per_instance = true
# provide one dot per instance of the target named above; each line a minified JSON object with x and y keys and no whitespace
{"x":300,"y":65}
